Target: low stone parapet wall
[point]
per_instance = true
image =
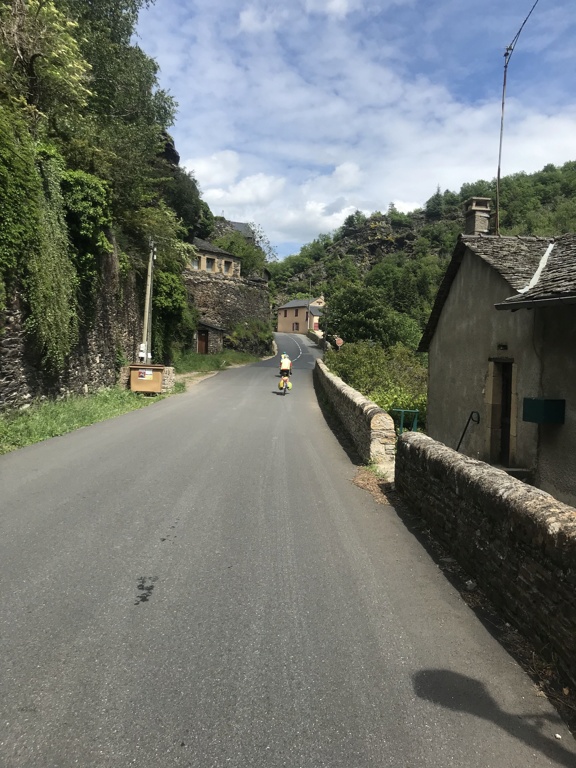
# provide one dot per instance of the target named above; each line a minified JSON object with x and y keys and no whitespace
{"x":315,"y":336}
{"x":370,"y":427}
{"x":517,"y":541}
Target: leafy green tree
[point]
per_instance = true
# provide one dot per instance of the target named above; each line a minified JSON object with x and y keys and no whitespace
{"x":253,"y":336}
{"x":317,"y":249}
{"x":263,"y":243}
{"x":480,"y":188}
{"x":183,"y":195}
{"x":352,"y":226}
{"x":435,"y":206}
{"x":357,"y":313}
{"x":253,"y":258}
{"x":41,"y":60}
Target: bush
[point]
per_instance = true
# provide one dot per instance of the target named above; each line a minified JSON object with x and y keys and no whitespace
{"x":392,"y":378}
{"x":254,"y":336}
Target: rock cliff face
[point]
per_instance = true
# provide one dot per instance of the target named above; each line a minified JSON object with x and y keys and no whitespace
{"x":107,"y":338}
{"x":228,"y":300}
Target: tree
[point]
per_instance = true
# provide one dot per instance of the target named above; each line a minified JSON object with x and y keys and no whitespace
{"x":41,"y":60}
{"x":262,"y":241}
{"x":253,"y":258}
{"x":357,"y":313}
{"x":435,"y":206}
{"x":181,"y":192}
{"x":352,"y":225}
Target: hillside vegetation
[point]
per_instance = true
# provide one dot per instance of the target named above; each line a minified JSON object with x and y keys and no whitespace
{"x":380,"y":274}
{"x":88,"y":172}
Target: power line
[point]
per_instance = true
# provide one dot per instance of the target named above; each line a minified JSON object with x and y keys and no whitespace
{"x":507,"y":56}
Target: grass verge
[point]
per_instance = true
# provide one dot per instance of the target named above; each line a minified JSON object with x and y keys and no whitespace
{"x":43,"y":420}
{"x":192,"y":361}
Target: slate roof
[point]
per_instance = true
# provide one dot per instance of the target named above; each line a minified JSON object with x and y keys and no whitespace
{"x":204,"y":245}
{"x":516,"y":259}
{"x":207,"y":322}
{"x":554,"y":283}
{"x":298,"y":303}
{"x":244,"y":229}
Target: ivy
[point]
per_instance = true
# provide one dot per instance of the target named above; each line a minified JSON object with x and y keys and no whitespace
{"x":20,"y":194}
{"x":51,"y":279}
{"x":174,"y":321}
{"x":87,"y":203}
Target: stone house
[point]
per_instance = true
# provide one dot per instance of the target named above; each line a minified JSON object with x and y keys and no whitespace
{"x":300,"y":315}
{"x":501,"y":340}
{"x":209,"y":337}
{"x":223,"y":226}
{"x":214,"y":260}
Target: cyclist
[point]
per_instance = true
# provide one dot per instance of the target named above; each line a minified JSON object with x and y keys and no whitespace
{"x":285,"y":365}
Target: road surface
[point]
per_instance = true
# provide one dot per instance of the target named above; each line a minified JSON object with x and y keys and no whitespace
{"x":199,"y":583}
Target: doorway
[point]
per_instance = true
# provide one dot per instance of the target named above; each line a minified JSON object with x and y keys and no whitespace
{"x":202,"y":342}
{"x":501,"y":409}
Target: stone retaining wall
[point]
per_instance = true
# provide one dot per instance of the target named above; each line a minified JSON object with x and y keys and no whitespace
{"x":110,"y":334}
{"x":371,"y":428}
{"x":517,"y":541}
{"x":228,"y":300}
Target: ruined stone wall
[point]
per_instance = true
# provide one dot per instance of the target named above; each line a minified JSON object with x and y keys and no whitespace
{"x":517,"y":541}
{"x":370,"y":427}
{"x":228,"y":300}
{"x":110,"y":334}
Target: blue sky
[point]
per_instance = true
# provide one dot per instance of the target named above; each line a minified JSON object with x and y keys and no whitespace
{"x":295,"y":113}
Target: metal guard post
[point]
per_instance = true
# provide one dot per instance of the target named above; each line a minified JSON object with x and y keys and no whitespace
{"x":403,"y":411}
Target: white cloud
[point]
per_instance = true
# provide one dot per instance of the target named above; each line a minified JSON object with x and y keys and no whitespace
{"x":254,"y":19}
{"x":294,"y":115}
{"x":254,"y":190}
{"x":219,"y":169}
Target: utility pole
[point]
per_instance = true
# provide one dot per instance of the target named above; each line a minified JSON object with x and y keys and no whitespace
{"x":507,"y":56}
{"x":146,"y":346}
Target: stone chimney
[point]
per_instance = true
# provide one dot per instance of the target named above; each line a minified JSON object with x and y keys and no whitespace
{"x":477,"y":216}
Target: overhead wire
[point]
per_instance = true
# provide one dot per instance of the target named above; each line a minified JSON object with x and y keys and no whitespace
{"x":507,"y":56}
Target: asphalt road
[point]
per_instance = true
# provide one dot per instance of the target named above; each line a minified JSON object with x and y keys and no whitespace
{"x":200,"y":584}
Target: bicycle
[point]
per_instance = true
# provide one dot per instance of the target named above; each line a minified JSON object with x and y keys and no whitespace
{"x":285,"y":384}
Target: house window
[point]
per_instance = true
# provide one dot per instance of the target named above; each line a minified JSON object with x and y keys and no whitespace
{"x":296,"y":312}
{"x":285,"y":313}
{"x":210,"y":265}
{"x":227,"y":267}
{"x":295,"y":326}
{"x":195,"y":263}
{"x":306,"y":315}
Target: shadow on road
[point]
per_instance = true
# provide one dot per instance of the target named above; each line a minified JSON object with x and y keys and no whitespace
{"x":461,"y":693}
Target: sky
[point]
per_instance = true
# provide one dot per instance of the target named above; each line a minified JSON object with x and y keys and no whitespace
{"x":293,"y":114}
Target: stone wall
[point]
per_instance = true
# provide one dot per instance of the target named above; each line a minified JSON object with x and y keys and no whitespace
{"x":111,"y":333}
{"x":517,"y":541}
{"x":371,"y":428}
{"x":228,"y":300}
